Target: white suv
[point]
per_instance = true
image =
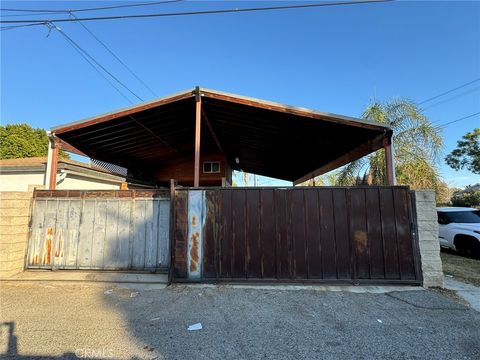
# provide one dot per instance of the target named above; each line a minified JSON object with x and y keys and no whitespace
{"x":459,"y":229}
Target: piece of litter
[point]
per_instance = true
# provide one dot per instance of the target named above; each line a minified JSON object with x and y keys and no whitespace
{"x":197,"y":326}
{"x":108,"y":292}
{"x":448,"y":275}
{"x":380,"y":321}
{"x":133,"y":294}
{"x":157,"y":318}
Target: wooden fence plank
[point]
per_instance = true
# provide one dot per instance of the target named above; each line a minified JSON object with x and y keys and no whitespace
{"x":298,"y":234}
{"x":239,"y":258}
{"x":267,"y":233}
{"x":83,"y":256}
{"x":327,"y":231}
{"x":282,"y":239}
{"x":99,"y":232}
{"x":123,"y":234}
{"x":164,"y":234}
{"x":151,"y":232}
{"x":374,"y":233}
{"x":312,"y":220}
{"x":358,"y":228}
{"x":342,"y":235}
{"x":254,"y":251}
{"x":404,"y":235}
{"x":72,"y":239}
{"x":226,"y":237}
{"x":389,"y":234}
{"x":139,"y":240}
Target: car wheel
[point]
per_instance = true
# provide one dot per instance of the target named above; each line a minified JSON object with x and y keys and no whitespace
{"x":467,"y":246}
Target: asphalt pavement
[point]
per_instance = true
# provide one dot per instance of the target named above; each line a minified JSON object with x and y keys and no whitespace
{"x":54,"y":321}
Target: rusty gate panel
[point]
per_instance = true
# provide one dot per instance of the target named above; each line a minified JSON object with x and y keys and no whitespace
{"x":303,"y":234}
{"x":102,"y":231}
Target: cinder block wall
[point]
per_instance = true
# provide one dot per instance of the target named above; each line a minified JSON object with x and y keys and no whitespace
{"x":428,"y":238}
{"x":14,"y":218}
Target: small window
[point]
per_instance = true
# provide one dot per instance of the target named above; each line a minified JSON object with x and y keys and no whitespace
{"x":210,"y":167}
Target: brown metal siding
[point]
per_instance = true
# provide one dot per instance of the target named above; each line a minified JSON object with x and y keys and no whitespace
{"x":302,"y":234}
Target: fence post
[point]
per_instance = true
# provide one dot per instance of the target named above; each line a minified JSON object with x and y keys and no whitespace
{"x":173,"y":184}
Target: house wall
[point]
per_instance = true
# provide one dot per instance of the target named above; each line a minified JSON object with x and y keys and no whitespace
{"x":183,"y":172}
{"x":75,"y":182}
{"x":427,"y":227}
{"x":14,"y":220}
{"x":21,"y":181}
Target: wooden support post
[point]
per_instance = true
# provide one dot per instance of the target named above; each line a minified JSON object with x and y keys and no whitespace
{"x":53,"y":165}
{"x":389,"y":162}
{"x":173,"y":185}
{"x":198,"y":116}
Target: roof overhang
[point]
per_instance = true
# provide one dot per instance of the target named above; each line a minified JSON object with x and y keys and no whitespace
{"x":267,"y":138}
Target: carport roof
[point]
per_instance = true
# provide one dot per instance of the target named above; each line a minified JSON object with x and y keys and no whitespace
{"x":267,"y":138}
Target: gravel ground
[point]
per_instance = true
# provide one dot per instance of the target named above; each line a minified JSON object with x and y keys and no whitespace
{"x":460,"y":267}
{"x":84,"y":321}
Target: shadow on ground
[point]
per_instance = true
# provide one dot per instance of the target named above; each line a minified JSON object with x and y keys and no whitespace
{"x":273,"y":324}
{"x":240,"y":323}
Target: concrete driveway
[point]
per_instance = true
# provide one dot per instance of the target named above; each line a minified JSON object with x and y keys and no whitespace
{"x":50,"y":320}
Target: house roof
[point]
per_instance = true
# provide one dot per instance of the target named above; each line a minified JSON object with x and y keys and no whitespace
{"x":39,"y":164}
{"x":267,"y":138}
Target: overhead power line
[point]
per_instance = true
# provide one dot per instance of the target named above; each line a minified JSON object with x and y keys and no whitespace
{"x":457,"y":120}
{"x":34,"y":14}
{"x":11,"y":27}
{"x":453,"y":97}
{"x":92,"y":9}
{"x":94,"y":60}
{"x":116,"y":57}
{"x":204,"y":12}
{"x":448,"y":92}
{"x":97,"y":70}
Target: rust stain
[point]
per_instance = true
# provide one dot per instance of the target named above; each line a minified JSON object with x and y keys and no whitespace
{"x":47,"y":258}
{"x":49,"y":251}
{"x":59,"y":249}
{"x":361,"y":239}
{"x":194,"y":220}
{"x":194,"y":252}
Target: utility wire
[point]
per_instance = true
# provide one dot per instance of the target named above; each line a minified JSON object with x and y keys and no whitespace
{"x":116,"y":57}
{"x":35,"y":14}
{"x":454,"y":121}
{"x":452,"y":98}
{"x":90,"y":62}
{"x":448,"y":92}
{"x":11,"y":27}
{"x":96,"y":62}
{"x":205,"y":12}
{"x":92,"y":9}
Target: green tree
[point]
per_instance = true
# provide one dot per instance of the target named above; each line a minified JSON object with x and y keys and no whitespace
{"x":416,"y":146}
{"x":470,"y":197}
{"x":21,"y":140}
{"x":467,"y":153}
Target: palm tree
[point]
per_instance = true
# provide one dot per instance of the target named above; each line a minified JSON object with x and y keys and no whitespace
{"x":416,"y":142}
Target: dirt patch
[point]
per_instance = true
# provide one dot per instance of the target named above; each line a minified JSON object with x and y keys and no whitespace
{"x":452,"y":295}
{"x":461,"y":268}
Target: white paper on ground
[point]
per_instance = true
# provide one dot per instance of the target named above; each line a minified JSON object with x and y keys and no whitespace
{"x":197,"y":326}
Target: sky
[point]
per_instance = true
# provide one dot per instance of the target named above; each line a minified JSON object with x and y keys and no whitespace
{"x":332,"y":59}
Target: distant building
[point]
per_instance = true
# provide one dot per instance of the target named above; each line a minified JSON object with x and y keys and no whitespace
{"x":22,"y":174}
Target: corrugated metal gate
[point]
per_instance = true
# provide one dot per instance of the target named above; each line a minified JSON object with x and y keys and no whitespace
{"x":104,"y":230}
{"x":296,"y":234}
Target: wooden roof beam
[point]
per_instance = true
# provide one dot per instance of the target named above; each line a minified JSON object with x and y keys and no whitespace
{"x":355,"y":154}
{"x":212,"y":131}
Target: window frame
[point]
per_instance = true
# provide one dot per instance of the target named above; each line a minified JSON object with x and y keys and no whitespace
{"x":211,"y":163}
